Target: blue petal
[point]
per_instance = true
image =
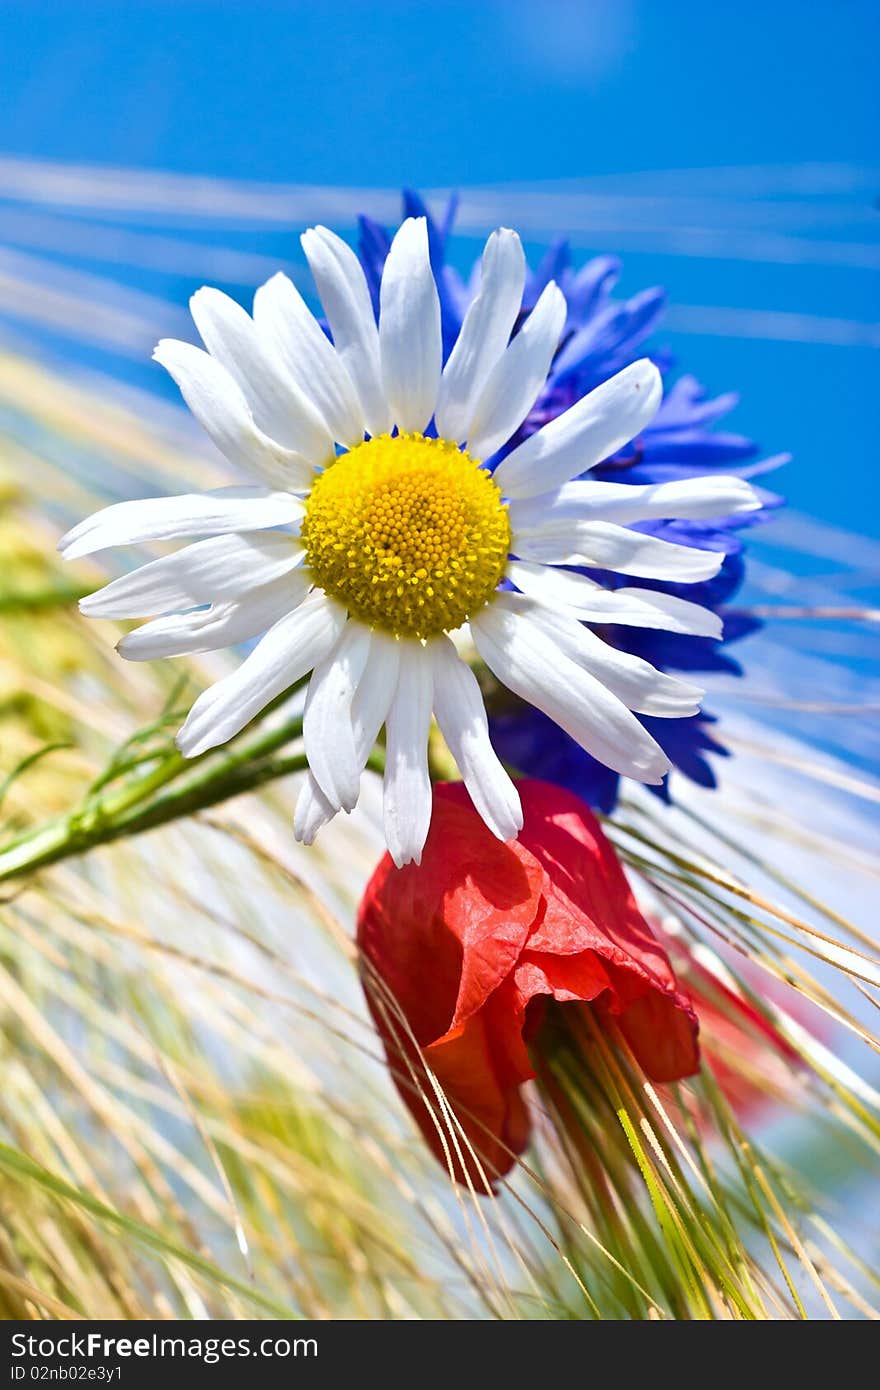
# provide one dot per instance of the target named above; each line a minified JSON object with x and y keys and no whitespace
{"x":608,"y":341}
{"x":588,"y":288}
{"x":531,"y":743}
{"x":374,"y":244}
{"x":555,"y":262}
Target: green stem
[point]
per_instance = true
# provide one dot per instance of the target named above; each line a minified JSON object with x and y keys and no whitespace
{"x":60,"y":595}
{"x":140,"y":805}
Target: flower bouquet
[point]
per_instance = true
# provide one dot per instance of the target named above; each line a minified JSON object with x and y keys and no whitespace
{"x":421,"y":967}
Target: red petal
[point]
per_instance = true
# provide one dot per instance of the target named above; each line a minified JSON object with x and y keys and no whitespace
{"x":479,"y":1080}
{"x":444,"y":934}
{"x":590,"y":904}
{"x":482,"y":1083}
{"x":567,"y":978}
{"x":662,"y":1031}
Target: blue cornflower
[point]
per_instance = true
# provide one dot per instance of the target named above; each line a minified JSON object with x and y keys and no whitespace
{"x":603,"y":335}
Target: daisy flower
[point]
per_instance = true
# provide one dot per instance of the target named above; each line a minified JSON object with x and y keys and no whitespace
{"x":375,"y":530}
{"x":603,"y":334}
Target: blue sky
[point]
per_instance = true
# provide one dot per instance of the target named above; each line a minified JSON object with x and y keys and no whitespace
{"x":379,"y":94}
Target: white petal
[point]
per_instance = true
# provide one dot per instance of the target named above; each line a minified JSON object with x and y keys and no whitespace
{"x":595,"y":427}
{"x":171,"y":518}
{"x":461,"y":714}
{"x":222,"y":625}
{"x":409,"y":328}
{"x":407,"y":798}
{"x":602,"y":545}
{"x":368,"y":711}
{"x":211,"y":571}
{"x":531,"y":664}
{"x":345,"y":296}
{"x":313,"y":811}
{"x":484,"y":334}
{"x":278,"y":405}
{"x":514,"y":382}
{"x":583,"y":598}
{"x":327,"y":721}
{"x":219,"y":405}
{"x":288,"y":325}
{"x":638,"y":684}
{"x":375,"y":691}
{"x":295,"y":644}
{"x":691,"y":499}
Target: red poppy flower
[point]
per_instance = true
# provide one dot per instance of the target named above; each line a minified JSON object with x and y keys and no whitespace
{"x":472,"y":940}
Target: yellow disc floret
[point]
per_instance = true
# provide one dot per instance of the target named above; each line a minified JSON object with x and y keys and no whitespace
{"x":409,"y":533}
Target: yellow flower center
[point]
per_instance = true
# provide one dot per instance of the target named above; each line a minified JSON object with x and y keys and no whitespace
{"x":409,"y":533}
